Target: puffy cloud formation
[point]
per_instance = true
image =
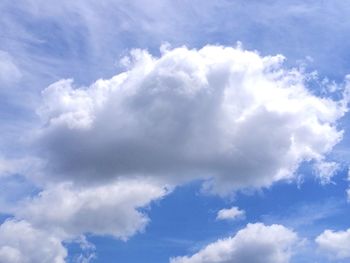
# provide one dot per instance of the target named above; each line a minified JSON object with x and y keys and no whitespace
{"x":224,"y":114}
{"x":21,"y":243}
{"x":230,"y":213}
{"x":255,"y":243}
{"x":101,"y":210}
{"x":335,"y":243}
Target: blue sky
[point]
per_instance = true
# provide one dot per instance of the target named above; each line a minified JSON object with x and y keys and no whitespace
{"x":127,"y":127}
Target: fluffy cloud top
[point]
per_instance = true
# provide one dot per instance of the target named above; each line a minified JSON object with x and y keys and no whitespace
{"x":230,"y":213}
{"x":21,"y":243}
{"x":335,"y":243}
{"x":253,"y":244}
{"x":218,"y":113}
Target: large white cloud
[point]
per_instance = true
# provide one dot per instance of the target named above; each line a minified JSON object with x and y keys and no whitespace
{"x":253,"y":244}
{"x":335,"y":243}
{"x":218,"y":113}
{"x":20,"y":242}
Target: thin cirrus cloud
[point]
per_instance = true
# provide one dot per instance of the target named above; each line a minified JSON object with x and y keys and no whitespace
{"x":9,"y":71}
{"x":253,"y":244}
{"x":230,"y":116}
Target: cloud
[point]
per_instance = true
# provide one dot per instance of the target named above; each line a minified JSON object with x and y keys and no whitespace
{"x":326,"y":170}
{"x":21,"y":243}
{"x":111,"y":209}
{"x":335,"y":243}
{"x":230,"y":213}
{"x":255,"y":243}
{"x":219,"y":113}
{"x":66,"y":213}
{"x":9,"y":72}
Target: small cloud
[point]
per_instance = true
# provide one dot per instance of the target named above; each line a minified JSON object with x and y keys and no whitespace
{"x":232,"y":213}
{"x":325,"y":171}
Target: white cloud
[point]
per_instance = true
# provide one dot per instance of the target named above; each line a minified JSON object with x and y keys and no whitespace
{"x":335,"y":243}
{"x":111,"y":209}
{"x":326,"y":170}
{"x":253,"y":244}
{"x":230,"y":213}
{"x":225,"y":114}
{"x":65,"y":213}
{"x":21,"y":243}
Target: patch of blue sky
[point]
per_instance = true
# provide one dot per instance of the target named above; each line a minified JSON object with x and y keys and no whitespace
{"x":14,"y":189}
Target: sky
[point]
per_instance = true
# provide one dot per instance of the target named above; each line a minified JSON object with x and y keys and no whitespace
{"x":174,"y":131}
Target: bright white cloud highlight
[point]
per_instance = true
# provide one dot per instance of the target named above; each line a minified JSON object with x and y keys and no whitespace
{"x":21,"y":243}
{"x":230,"y":213}
{"x":335,"y":243}
{"x":255,"y":243}
{"x":225,"y":114}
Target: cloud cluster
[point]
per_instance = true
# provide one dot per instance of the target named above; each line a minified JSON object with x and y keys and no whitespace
{"x":335,"y":243}
{"x":255,"y":243}
{"x":219,"y":113}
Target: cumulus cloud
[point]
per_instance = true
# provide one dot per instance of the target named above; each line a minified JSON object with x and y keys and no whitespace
{"x":65,"y":213}
{"x":255,"y":243}
{"x":220,"y":113}
{"x":20,"y":242}
{"x":111,"y":209}
{"x":230,"y":213}
{"x":335,"y":243}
